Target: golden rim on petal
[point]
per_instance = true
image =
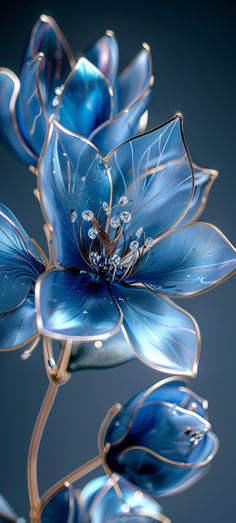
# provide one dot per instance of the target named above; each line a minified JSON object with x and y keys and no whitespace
{"x":49,"y":20}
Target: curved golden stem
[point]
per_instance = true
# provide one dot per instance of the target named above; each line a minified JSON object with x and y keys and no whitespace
{"x":72,"y":477}
{"x":58,"y":377}
{"x":34,"y":447}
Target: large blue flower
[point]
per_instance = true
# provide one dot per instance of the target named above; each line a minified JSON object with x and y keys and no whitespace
{"x":99,"y":503}
{"x":88,"y":96}
{"x":118,"y":255}
{"x":21,"y":264}
{"x":161,"y":440}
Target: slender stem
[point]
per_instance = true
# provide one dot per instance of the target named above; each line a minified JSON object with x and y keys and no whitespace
{"x":72,"y":477}
{"x":34,"y":448}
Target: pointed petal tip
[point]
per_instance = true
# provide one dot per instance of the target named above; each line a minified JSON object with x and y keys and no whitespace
{"x":110,"y":32}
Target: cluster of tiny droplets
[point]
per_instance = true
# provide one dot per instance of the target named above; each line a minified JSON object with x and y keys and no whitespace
{"x":58,"y":93}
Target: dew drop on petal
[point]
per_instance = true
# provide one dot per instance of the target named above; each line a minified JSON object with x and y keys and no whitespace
{"x":73,"y":216}
{"x":92,"y":233}
{"x":134,"y":245}
{"x":149,"y":242}
{"x":123,"y":200}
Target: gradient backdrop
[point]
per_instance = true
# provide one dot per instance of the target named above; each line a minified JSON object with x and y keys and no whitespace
{"x":193,"y":47}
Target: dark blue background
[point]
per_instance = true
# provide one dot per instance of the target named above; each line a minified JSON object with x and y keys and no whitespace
{"x":193,"y":48}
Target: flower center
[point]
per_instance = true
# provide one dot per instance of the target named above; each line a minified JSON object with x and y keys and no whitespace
{"x":112,"y":250}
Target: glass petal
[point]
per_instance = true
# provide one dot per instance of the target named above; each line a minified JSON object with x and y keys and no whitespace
{"x":18,"y":326}
{"x":18,"y":268}
{"x":104,"y":54}
{"x":99,"y":502}
{"x":6,"y":511}
{"x":136,"y":79}
{"x":161,"y":445}
{"x":62,"y":508}
{"x":72,"y":178}
{"x":163,"y":336}
{"x":86,"y":101}
{"x":48,"y":39}
{"x":75,"y":306}
{"x":31,"y":113}
{"x":203,"y":180}
{"x":121,"y":127}
{"x":10,"y":133}
{"x":100,"y":354}
{"x":189,"y":260}
{"x":150,"y":170}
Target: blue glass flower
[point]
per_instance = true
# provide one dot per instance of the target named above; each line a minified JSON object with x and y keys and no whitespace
{"x":118,"y":255}
{"x":21,"y":264}
{"x":161,"y":440}
{"x":88,"y":96}
{"x":7,"y":514}
{"x":99,"y":502}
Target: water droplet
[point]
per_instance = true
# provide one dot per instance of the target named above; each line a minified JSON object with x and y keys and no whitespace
{"x":115,"y":222}
{"x":125,"y":216}
{"x":149,"y":242}
{"x":123,"y":200}
{"x":82,"y":178}
{"x":73,"y":216}
{"x":125,"y":508}
{"x":117,"y":423}
{"x":92,"y":233}
{"x":105,"y":206}
{"x":55,"y":101}
{"x":87,"y":215}
{"x":59,"y":89}
{"x":26,"y":354}
{"x":98,"y":344}
{"x":85,"y":312}
{"x":134,"y":245}
{"x":51,"y":363}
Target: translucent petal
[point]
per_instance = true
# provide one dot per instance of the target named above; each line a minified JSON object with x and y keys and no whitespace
{"x":163,"y":336}
{"x":100,"y":354}
{"x":10,"y":133}
{"x":135,"y":79}
{"x":189,"y":261}
{"x":62,"y":508}
{"x":6,"y":511}
{"x":161,"y":445}
{"x":47,"y":38}
{"x":151,"y":170}
{"x":118,"y":129}
{"x":86,"y":100}
{"x":30,"y":109}
{"x":75,"y":306}
{"x":104,"y":54}
{"x":18,"y":268}
{"x":17,"y":327}
{"x":99,"y":502}
{"x":203,"y":180}
{"x":72,"y":177}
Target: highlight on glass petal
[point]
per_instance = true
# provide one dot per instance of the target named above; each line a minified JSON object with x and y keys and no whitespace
{"x":89,"y":96}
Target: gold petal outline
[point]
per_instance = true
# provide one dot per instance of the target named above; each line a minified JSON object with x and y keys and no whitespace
{"x":117,"y":407}
{"x":174,"y":118}
{"x":80,"y":61}
{"x":52,"y":123}
{"x":192,"y":374}
{"x":56,"y":336}
{"x":130,"y":106}
{"x":179,"y":464}
{"x":50,"y":21}
{"x":110,"y":34}
{"x":32,"y":338}
{"x":145,"y":46}
{"x":12,"y":104}
{"x":213,"y":175}
{"x":46,"y":499}
{"x":211,"y":286}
